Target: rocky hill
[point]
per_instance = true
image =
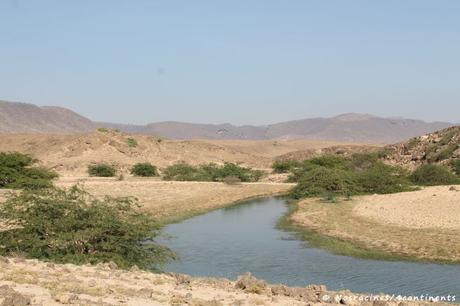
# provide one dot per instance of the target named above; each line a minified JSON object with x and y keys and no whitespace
{"x":439,"y":147}
{"x":28,"y":118}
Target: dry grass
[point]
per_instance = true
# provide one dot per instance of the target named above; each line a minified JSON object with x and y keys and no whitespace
{"x":342,"y":221}
{"x":172,"y":201}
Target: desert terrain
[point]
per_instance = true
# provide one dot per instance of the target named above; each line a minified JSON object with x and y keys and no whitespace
{"x":70,"y":155}
{"x":32,"y":282}
{"x":420,"y":225}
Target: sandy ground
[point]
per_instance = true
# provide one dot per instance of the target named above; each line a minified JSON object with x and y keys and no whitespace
{"x":31,"y":282}
{"x":418,"y":224}
{"x":434,"y":207}
{"x":172,"y":201}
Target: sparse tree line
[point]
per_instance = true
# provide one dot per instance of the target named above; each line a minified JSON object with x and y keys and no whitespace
{"x":227,"y":173}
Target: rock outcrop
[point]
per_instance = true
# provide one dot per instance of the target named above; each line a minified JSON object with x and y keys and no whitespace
{"x":32,"y":282}
{"x":440,"y":147}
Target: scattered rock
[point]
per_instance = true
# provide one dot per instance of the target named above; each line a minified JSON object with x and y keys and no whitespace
{"x":65,"y":298}
{"x":4,"y":259}
{"x":249,"y":283}
{"x":182,"y":279}
{"x":13,"y":298}
{"x":145,"y":293}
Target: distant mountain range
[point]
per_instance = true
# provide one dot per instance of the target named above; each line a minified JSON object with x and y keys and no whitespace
{"x":28,"y":118}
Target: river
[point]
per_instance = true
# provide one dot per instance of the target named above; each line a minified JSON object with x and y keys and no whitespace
{"x":230,"y":241}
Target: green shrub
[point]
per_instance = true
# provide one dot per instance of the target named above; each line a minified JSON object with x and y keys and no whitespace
{"x":432,"y":174}
{"x":447,"y":137}
{"x":431,"y":153}
{"x":101,"y":170}
{"x":381,"y":178}
{"x":132,"y":143}
{"x":447,"y":152}
{"x":326,"y":161}
{"x":244,"y":174}
{"x":16,"y":171}
{"x":330,"y":161}
{"x":360,"y":173}
{"x":364,"y":161}
{"x":413,"y":143}
{"x":103,"y":130}
{"x":70,"y":226}
{"x":210,"y":172}
{"x":183,"y":172}
{"x":144,"y":169}
{"x":322,"y":180}
{"x":456,"y":165}
{"x":383,"y":153}
{"x":285,"y":166}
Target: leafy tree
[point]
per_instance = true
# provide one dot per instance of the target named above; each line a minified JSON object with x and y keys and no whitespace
{"x":322,"y":180}
{"x":70,"y":226}
{"x":17,"y":171}
{"x":144,"y":169}
{"x":432,"y":174}
{"x":381,"y":178}
{"x":101,"y":170}
{"x":285,"y":166}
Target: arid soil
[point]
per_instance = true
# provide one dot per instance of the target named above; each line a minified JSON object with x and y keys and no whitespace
{"x":434,"y":207}
{"x":70,"y":155}
{"x":170,"y":201}
{"x":32,"y":282}
{"x":421,"y":225}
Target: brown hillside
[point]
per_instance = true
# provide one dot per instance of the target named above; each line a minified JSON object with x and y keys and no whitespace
{"x":71,"y":154}
{"x":28,"y":118}
{"x":358,"y":128}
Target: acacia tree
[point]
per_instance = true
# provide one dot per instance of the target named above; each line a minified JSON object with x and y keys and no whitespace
{"x":70,"y":226}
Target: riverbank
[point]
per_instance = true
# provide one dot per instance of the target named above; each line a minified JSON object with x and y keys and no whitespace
{"x":32,"y":282}
{"x":419,"y":226}
{"x":171,"y":201}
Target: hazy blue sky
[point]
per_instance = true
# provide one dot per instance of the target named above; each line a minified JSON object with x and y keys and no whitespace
{"x":244,"y":62}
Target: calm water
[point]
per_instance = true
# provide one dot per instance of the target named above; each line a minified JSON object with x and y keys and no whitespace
{"x":228,"y":242}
